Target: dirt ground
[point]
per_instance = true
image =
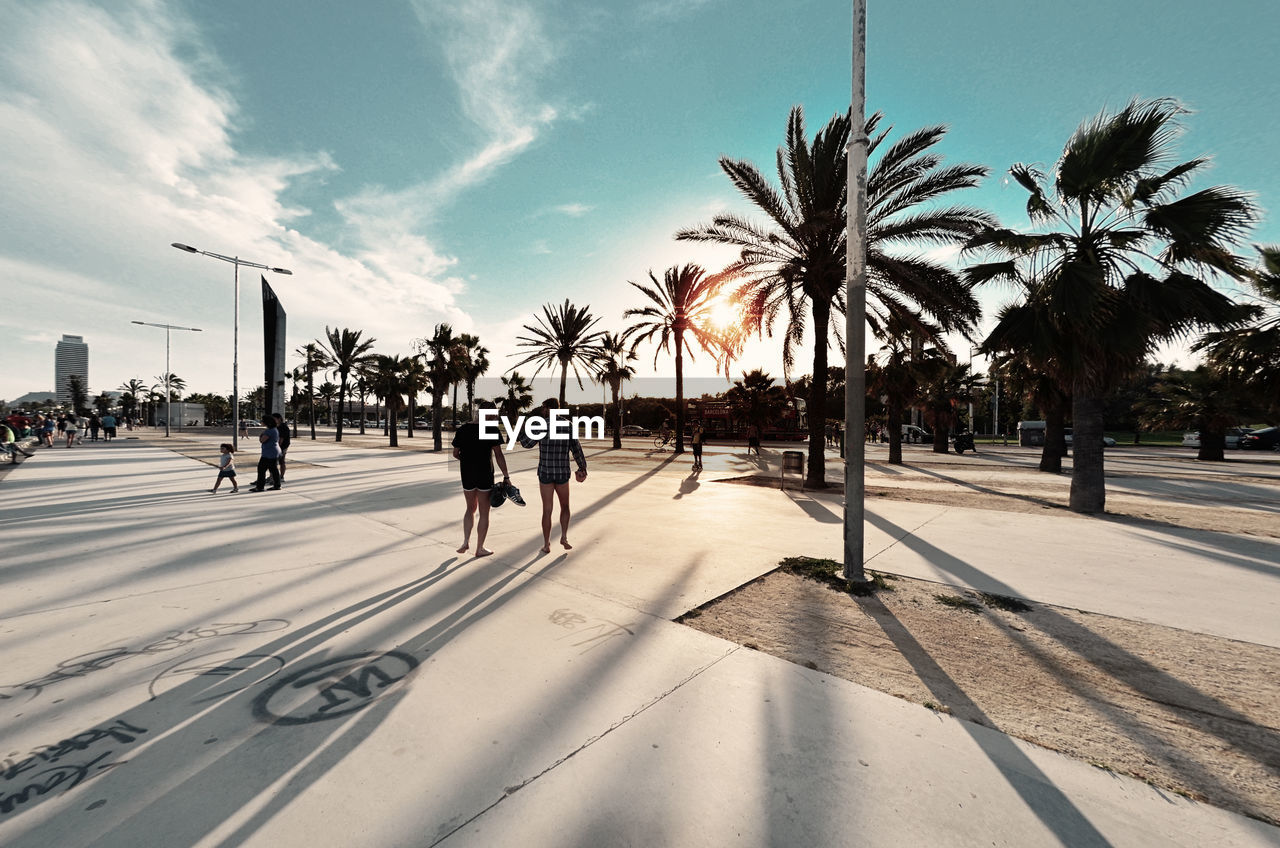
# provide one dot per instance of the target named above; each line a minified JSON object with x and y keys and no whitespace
{"x":1196,"y":715}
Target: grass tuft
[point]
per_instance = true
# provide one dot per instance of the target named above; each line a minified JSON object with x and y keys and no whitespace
{"x":831,"y":573}
{"x":958,"y":602}
{"x":1004,"y":602}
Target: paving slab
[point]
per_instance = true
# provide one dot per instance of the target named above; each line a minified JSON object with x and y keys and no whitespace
{"x":317,"y":666}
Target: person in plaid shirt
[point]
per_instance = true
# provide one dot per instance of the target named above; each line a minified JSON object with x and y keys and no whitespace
{"x":553,"y":475}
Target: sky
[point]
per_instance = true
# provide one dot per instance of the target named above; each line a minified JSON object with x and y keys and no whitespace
{"x":419,"y":161}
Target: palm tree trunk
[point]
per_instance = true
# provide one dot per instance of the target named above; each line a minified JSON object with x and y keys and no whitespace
{"x":817,"y":407}
{"x":393,"y":412}
{"x":311,"y":400}
{"x":437,"y":401}
{"x":1088,"y":478}
{"x":1055,"y":443}
{"x":1213,"y":446}
{"x":342,"y":404}
{"x":413,"y":410}
{"x":941,"y":429}
{"x":679,"y":391}
{"x":471,"y":397}
{"x":617,"y":408}
{"x":895,"y":431}
{"x":362,"y":415}
{"x":564,"y":380}
{"x":455,"y":402}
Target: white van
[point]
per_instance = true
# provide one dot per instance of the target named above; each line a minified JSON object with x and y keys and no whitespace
{"x":915,"y":435}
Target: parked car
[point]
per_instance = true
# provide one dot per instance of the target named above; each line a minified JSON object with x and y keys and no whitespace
{"x":634,"y":430}
{"x":1107,"y":441}
{"x":1268,"y":438}
{"x":917,"y":435}
{"x":1235,"y":438}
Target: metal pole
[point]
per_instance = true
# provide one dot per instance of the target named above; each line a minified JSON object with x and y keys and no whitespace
{"x":168,"y":393}
{"x":235,"y":366}
{"x":855,"y":366}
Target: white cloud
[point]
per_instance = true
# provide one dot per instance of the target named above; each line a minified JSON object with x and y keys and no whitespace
{"x":573,"y":210}
{"x":119,"y":140}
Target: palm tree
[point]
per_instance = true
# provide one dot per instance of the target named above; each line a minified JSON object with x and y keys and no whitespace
{"x":437,"y":352}
{"x":473,"y":362}
{"x":943,"y":385}
{"x":1250,"y":357}
{"x":328,"y":391}
{"x":133,"y":390}
{"x":1205,"y":399}
{"x":893,"y":377}
{"x":363,"y":374}
{"x":79,"y":394}
{"x":344,"y":350}
{"x":175,"y":385}
{"x":755,"y":399}
{"x":1120,"y":266}
{"x":679,"y":315}
{"x":1045,"y":394}
{"x":519,"y":395}
{"x":103,"y":403}
{"x":561,"y":337}
{"x":387,"y":381}
{"x":612,"y":369}
{"x":796,"y":262}
{"x":312,"y":361}
{"x":416,"y":379}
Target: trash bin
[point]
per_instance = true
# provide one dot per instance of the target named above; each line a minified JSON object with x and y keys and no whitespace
{"x":791,"y":461}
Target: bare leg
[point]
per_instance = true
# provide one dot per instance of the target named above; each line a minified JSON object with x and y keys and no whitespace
{"x":562,"y":492}
{"x":482,"y":526}
{"x":546,"y":490}
{"x":468,"y":520}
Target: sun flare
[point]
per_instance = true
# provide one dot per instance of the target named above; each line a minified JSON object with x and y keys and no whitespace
{"x":723,"y":314}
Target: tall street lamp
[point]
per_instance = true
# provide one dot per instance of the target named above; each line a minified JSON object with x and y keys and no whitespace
{"x":855,"y":313}
{"x":235,"y":351}
{"x":168,"y":393}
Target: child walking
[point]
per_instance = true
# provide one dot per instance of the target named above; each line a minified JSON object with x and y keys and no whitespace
{"x":226,"y":467}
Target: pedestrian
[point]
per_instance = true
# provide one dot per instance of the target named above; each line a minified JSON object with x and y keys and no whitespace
{"x":11,"y":445}
{"x":47,"y":432}
{"x":62,"y":425}
{"x":553,"y":475}
{"x":95,"y":424}
{"x":269,"y":462}
{"x":226,"y":468}
{"x":282,"y":427}
{"x":72,"y":429}
{"x":475,"y":457}
{"x":753,"y":439}
{"x":697,"y":438}
{"x":108,"y":427}
{"x":244,"y":428}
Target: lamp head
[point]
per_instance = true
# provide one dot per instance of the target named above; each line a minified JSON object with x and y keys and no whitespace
{"x":281,"y":271}
{"x":188,"y":248}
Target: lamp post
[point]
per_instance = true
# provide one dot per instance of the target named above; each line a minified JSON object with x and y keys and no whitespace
{"x":168,"y":393}
{"x":855,"y":313}
{"x":235,"y":345}
{"x":972,"y":429}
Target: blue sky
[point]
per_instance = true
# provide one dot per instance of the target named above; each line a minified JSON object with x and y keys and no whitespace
{"x":414,"y":162}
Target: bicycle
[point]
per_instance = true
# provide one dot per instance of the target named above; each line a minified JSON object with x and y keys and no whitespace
{"x":662,"y":440}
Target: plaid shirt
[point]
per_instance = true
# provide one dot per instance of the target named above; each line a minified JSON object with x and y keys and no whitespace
{"x":553,"y":456}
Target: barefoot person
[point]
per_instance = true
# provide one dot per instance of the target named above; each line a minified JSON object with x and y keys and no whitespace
{"x":475,"y":460}
{"x":553,"y":476}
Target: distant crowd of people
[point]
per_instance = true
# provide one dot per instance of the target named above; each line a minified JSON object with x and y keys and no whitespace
{"x":65,"y":428}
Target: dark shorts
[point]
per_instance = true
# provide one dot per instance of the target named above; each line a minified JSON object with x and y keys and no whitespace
{"x":477,"y":479}
{"x":226,"y":472}
{"x":549,"y":480}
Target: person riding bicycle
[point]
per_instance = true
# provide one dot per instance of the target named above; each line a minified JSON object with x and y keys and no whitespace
{"x":664,"y":432}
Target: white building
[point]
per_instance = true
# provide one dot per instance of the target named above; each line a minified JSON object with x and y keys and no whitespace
{"x":71,"y":358}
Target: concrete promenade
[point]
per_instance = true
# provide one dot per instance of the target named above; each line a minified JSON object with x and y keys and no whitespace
{"x":317,"y":666}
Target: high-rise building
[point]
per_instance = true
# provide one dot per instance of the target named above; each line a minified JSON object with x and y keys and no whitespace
{"x":72,"y":357}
